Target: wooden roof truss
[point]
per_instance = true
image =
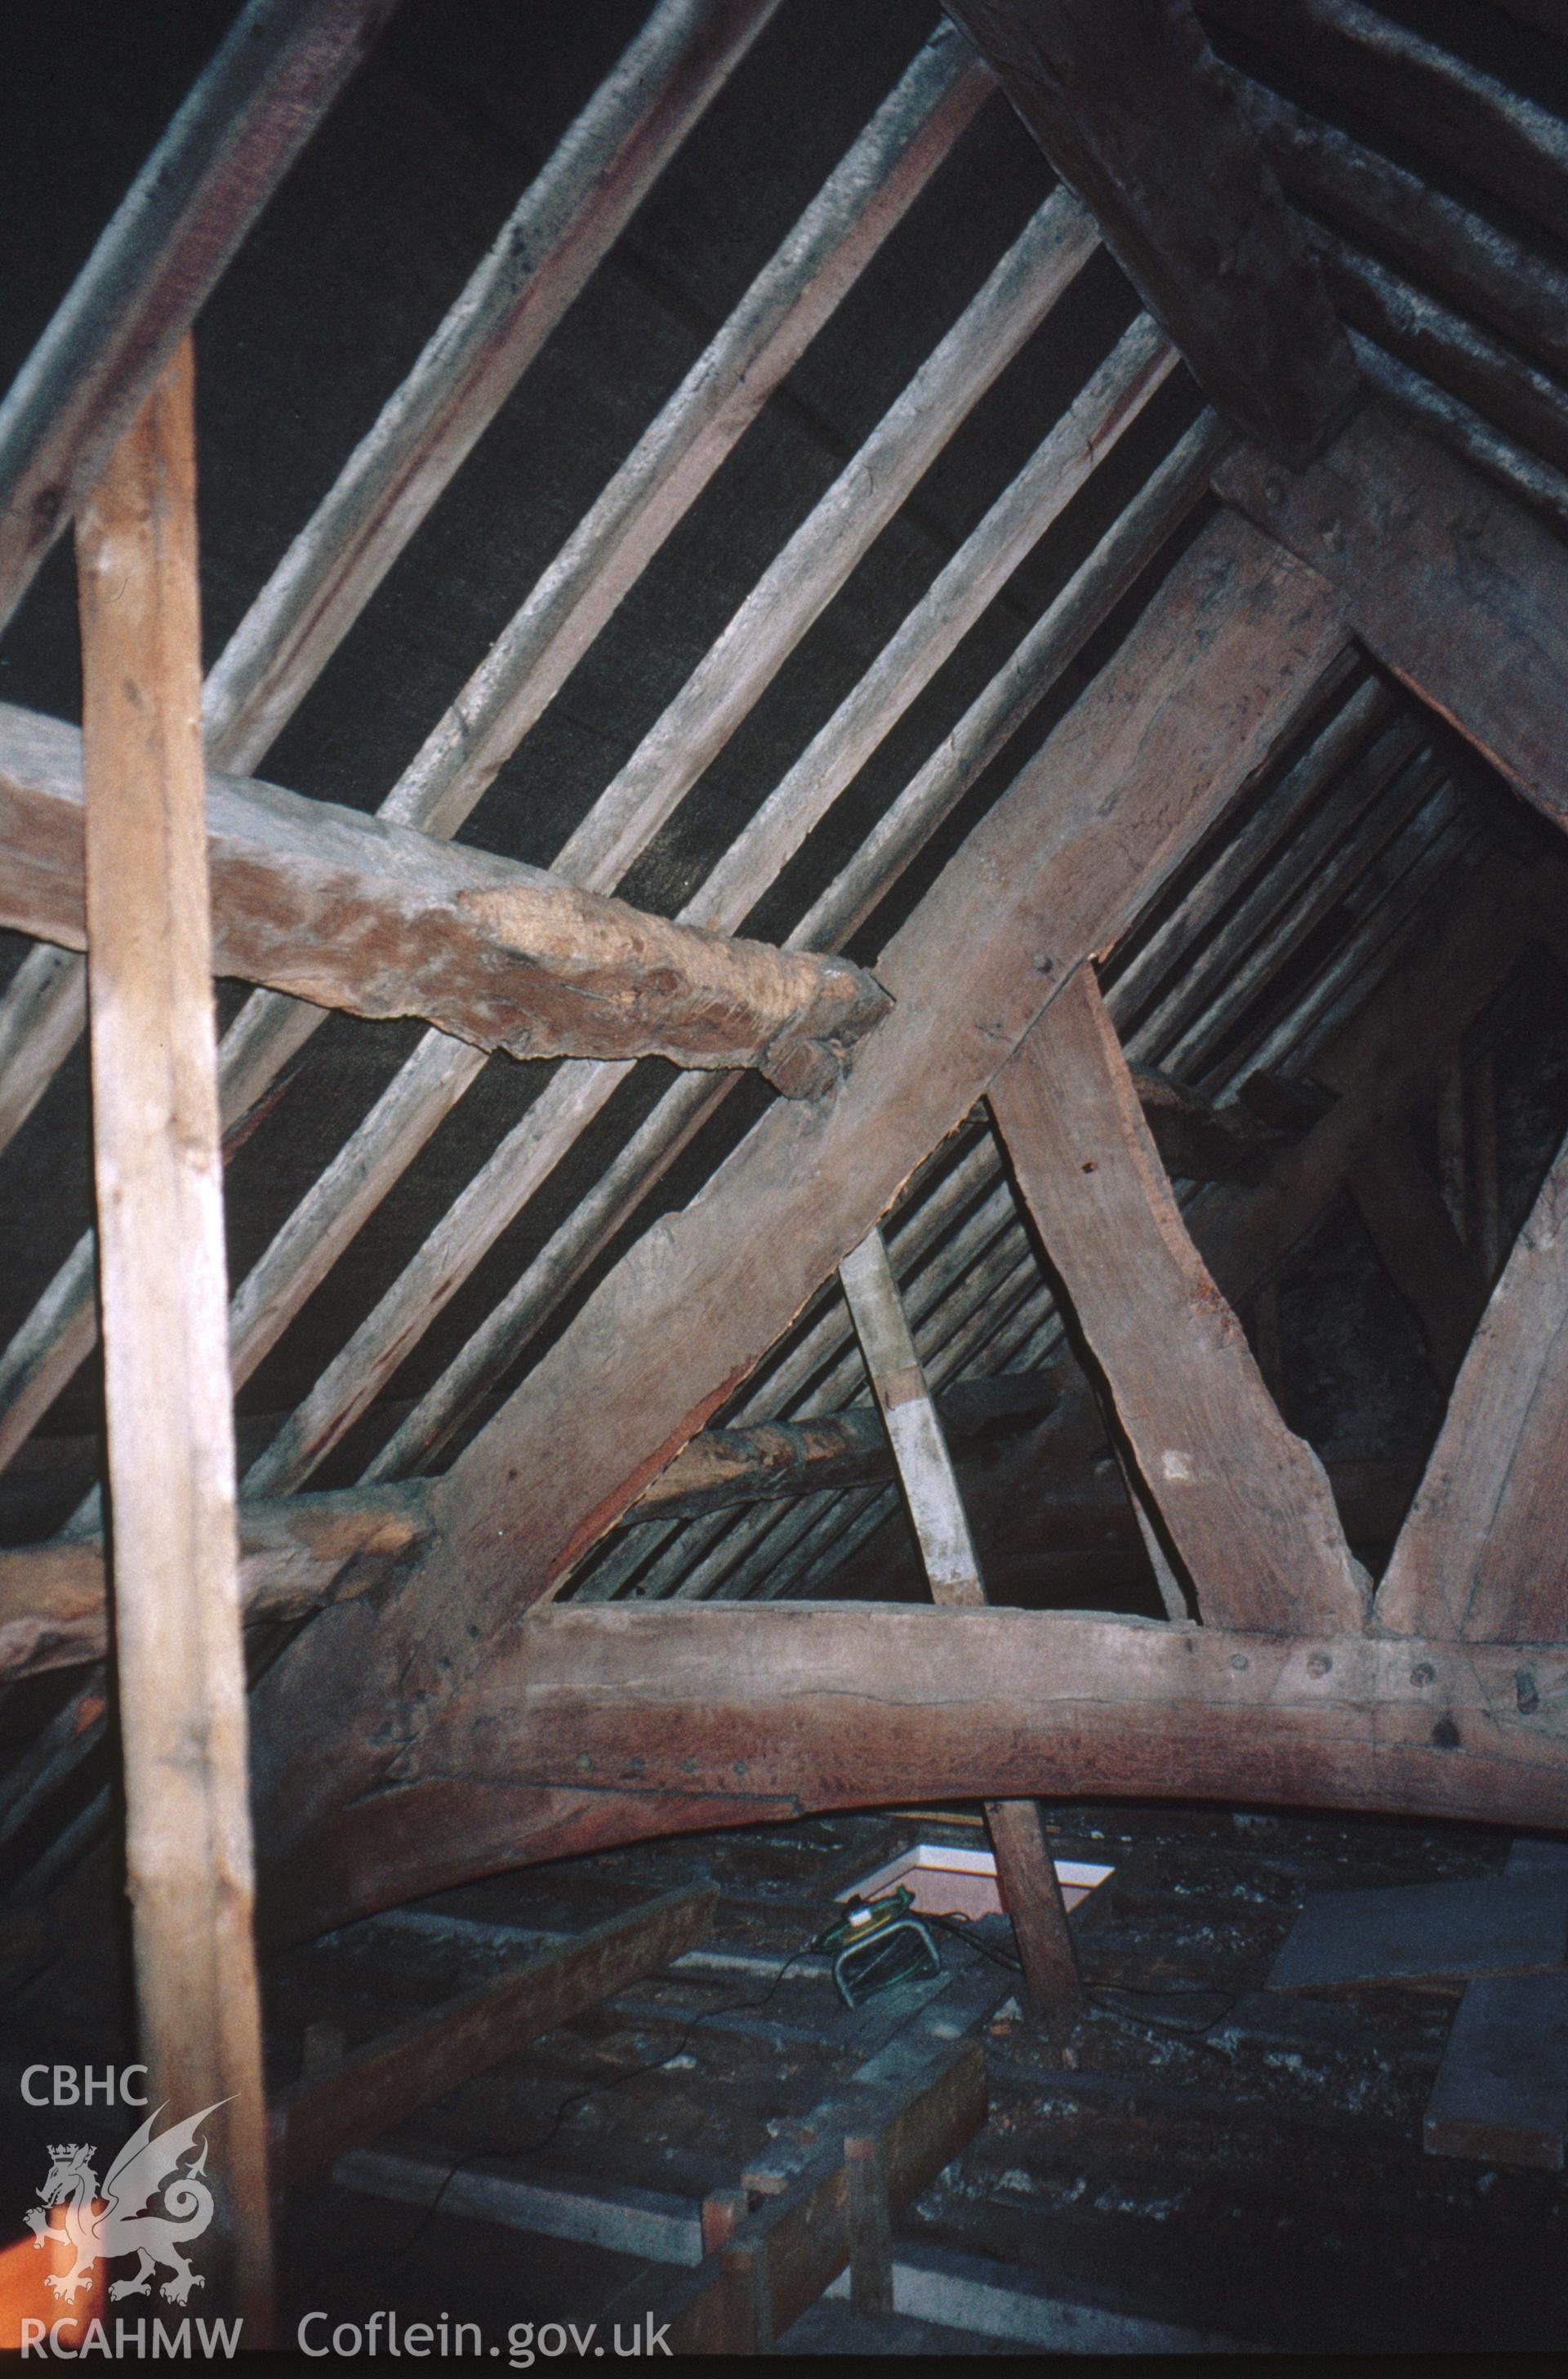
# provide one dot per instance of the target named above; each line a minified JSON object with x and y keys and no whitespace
{"x":1254,"y":846}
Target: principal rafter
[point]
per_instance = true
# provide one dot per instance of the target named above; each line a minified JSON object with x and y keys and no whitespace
{"x":1451,"y":582}
{"x":1138,"y":116}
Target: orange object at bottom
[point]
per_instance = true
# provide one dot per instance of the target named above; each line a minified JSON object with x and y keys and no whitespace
{"x":26,"y":2270}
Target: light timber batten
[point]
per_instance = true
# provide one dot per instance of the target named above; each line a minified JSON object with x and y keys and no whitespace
{"x":1046,"y":259}
{"x":701,"y":424}
{"x":557,"y":234}
{"x":1437,"y":413}
{"x":239,"y":132}
{"x":1522,"y":400}
{"x":271,"y":1028}
{"x":1264,"y":919}
{"x":733,"y":675}
{"x":1484,"y":270}
{"x":1198,"y":697}
{"x":561,"y":226}
{"x":42,"y":1016}
{"x":1044,"y":652}
{"x":171,"y":1457}
{"x":1511,"y":145}
{"x":1024,"y":1867}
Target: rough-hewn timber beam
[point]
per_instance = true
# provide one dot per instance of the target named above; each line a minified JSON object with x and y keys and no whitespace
{"x":1137,"y":114}
{"x":1496,"y":137}
{"x":1482,"y":1552}
{"x":1380,"y":1063}
{"x":605,"y":1724}
{"x":571,"y":211}
{"x":1517,"y":398}
{"x":1198,"y":697}
{"x":1484,"y":271}
{"x":1455,"y":585}
{"x":348,"y":911}
{"x":1246,"y":1503}
{"x":295,"y":1556}
{"x":848,"y":1449}
{"x":303,"y":1552}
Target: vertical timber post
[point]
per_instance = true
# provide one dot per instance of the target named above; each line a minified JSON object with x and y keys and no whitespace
{"x":1024,"y":1866}
{"x":164,"y":1290}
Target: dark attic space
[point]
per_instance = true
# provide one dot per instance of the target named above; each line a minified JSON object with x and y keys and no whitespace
{"x":783,"y":1143}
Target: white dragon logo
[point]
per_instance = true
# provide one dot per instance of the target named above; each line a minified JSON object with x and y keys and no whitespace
{"x":115,"y":2220}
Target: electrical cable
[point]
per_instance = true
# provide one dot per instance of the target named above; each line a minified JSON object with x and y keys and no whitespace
{"x":1172,"y":2028}
{"x":959,"y":1928}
